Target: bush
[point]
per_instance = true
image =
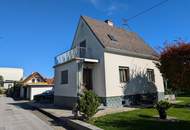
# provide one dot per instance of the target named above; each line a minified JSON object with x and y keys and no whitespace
{"x":1,"y":91}
{"x":88,"y":104}
{"x":162,"y":107}
{"x":10,"y":92}
{"x":169,"y":91}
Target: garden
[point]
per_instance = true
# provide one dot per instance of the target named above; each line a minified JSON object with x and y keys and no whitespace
{"x":147,"y":118}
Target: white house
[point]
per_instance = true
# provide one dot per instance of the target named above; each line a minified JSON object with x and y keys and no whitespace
{"x":35,"y":84}
{"x":109,"y":60}
{"x":10,"y":75}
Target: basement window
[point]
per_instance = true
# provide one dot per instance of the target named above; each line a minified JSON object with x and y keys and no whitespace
{"x":112,"y":37}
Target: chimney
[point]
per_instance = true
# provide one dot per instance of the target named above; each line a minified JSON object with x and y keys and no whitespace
{"x":109,"y":22}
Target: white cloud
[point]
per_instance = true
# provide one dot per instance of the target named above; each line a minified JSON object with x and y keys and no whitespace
{"x":108,"y":6}
{"x":111,"y":9}
{"x":94,"y":2}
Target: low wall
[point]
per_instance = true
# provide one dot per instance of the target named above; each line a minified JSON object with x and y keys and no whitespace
{"x":67,"y":102}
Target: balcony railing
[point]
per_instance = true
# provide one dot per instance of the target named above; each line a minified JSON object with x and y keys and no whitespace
{"x":78,"y":52}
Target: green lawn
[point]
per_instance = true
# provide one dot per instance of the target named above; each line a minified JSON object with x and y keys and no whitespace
{"x":142,"y":119}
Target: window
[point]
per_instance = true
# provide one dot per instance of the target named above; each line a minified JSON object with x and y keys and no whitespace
{"x":112,"y":37}
{"x":150,"y":75}
{"x":64,"y":77}
{"x":83,"y":49}
{"x":83,"y":44}
{"x":38,"y":80}
{"x":33,"y":80}
{"x":9,"y":85}
{"x":124,"y":74}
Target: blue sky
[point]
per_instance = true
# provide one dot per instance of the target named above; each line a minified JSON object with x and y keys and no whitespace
{"x":32,"y":32}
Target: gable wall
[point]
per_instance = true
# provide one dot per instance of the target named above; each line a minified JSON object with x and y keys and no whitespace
{"x":96,"y":51}
{"x":36,"y":78}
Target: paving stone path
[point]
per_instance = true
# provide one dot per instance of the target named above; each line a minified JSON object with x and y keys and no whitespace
{"x":13,"y":117}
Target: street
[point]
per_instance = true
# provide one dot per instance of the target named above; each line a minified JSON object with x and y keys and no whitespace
{"x":13,"y":116}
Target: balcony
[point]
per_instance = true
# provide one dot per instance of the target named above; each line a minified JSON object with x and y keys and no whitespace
{"x":78,"y":52}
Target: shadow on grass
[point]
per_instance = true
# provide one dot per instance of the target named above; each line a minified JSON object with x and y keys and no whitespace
{"x":146,"y":116}
{"x":181,"y":106}
{"x":142,"y":123}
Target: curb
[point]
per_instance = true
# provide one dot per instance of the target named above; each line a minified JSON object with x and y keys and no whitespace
{"x":71,"y":123}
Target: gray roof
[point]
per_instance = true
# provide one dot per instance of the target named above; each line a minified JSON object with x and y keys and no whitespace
{"x":126,"y":41}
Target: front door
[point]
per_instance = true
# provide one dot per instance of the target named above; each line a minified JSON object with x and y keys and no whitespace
{"x":87,"y":78}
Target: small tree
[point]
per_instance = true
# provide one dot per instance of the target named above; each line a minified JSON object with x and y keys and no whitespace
{"x":15,"y":90}
{"x":17,"y":86}
{"x":175,"y":64}
{"x":1,"y":81}
{"x":88,"y":104}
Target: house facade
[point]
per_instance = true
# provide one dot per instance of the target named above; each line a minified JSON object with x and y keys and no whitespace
{"x":108,"y":60}
{"x":35,"y":84}
{"x":10,"y":75}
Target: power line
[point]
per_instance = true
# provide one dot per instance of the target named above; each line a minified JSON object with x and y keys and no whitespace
{"x":129,"y":27}
{"x":144,"y":11}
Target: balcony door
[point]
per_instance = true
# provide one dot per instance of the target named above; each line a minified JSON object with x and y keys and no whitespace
{"x":87,"y":78}
{"x":83,"y":49}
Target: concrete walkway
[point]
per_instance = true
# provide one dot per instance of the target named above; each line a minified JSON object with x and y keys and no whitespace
{"x":12,"y":117}
{"x":108,"y":110}
{"x":64,"y":113}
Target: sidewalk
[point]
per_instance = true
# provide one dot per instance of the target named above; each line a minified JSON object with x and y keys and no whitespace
{"x":67,"y":117}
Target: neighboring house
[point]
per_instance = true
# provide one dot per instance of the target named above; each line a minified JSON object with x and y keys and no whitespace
{"x":35,"y":84}
{"x":107,"y":60}
{"x":10,"y":75}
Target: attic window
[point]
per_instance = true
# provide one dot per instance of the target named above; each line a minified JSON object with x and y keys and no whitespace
{"x":112,"y":37}
{"x":33,"y":80}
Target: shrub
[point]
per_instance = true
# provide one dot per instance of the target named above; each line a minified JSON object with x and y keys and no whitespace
{"x":88,"y":104}
{"x":169,"y":91}
{"x":1,"y":81}
{"x":1,"y":91}
{"x":162,"y":107}
{"x":10,"y":92}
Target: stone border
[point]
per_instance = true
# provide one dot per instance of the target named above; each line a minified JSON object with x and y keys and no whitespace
{"x":74,"y":124}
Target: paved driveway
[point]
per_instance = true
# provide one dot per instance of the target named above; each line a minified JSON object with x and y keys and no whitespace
{"x":13,"y":117}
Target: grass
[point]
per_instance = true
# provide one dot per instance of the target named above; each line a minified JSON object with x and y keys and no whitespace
{"x":143,"y":119}
{"x":185,"y":100}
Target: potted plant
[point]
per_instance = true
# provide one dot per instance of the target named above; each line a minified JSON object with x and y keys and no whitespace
{"x":162,"y":107}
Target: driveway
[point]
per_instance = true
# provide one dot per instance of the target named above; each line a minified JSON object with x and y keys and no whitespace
{"x":13,"y":117}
